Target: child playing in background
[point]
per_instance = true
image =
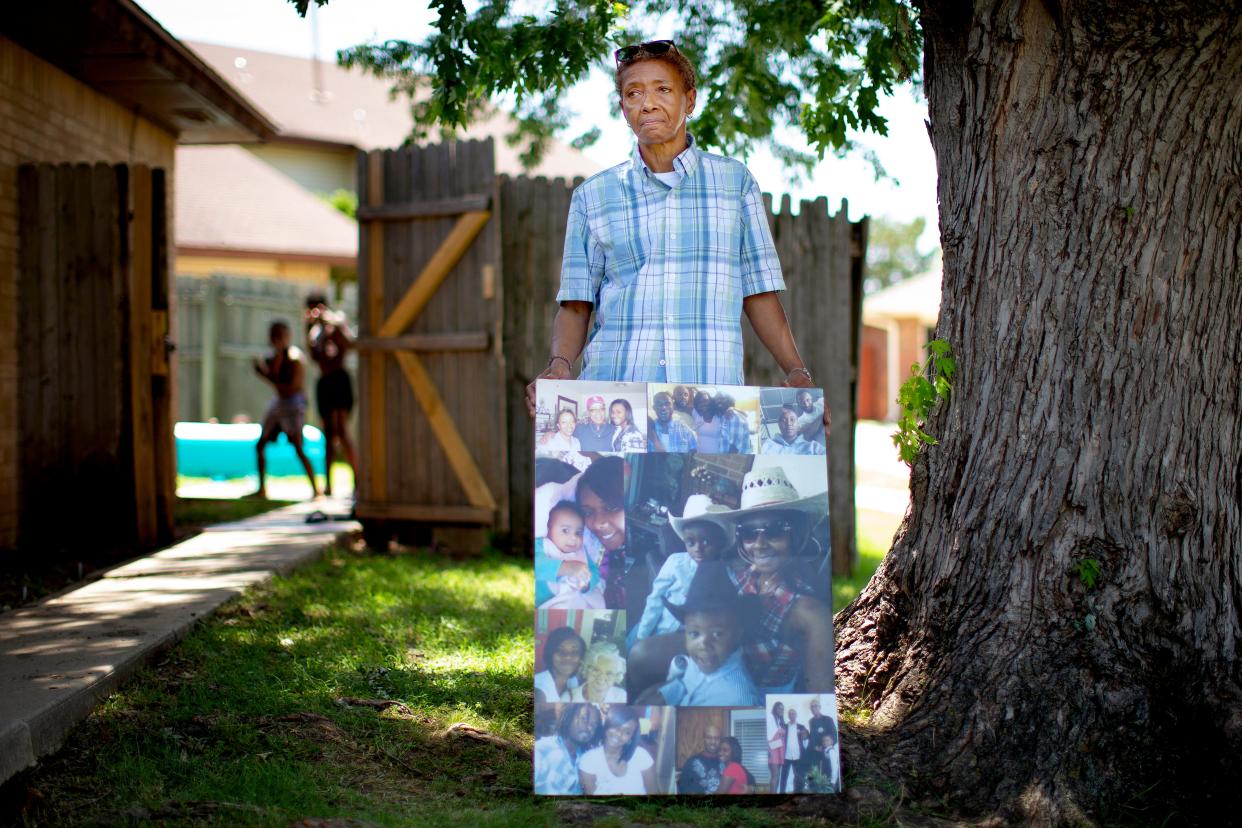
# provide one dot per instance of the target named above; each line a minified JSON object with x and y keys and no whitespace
{"x":705,"y":540}
{"x":286,"y":371}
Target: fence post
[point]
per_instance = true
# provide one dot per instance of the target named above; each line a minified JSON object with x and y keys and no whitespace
{"x":211,"y":348}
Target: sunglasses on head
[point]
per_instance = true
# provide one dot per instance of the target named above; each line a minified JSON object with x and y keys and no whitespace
{"x":749,"y":533}
{"x":651,"y":47}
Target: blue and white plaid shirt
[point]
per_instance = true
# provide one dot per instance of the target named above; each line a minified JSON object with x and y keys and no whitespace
{"x":735,"y":436}
{"x":556,"y":771}
{"x":676,"y":439}
{"x":667,"y":268}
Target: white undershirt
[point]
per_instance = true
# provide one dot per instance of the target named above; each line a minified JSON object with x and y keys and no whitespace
{"x":672,"y":179}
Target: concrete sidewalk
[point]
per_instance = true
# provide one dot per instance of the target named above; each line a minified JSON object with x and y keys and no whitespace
{"x":61,"y":657}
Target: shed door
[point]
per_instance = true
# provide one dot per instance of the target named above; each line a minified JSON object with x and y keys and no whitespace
{"x":95,"y":418}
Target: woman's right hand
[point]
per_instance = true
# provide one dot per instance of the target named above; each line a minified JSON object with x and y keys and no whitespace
{"x":557,"y":369}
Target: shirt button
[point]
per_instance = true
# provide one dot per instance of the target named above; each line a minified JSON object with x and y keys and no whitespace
{"x":661,"y":362}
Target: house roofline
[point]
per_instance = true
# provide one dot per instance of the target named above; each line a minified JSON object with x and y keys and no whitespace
{"x":283,"y":255}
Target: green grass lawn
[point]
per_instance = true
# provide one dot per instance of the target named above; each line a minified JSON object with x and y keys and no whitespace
{"x":240,"y":724}
{"x":191,"y":513}
{"x":874,"y":539}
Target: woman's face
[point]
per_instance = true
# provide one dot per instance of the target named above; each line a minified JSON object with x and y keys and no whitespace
{"x":567,"y":657}
{"x":604,"y":673}
{"x":767,"y":541}
{"x":726,"y":752}
{"x":617,"y":738}
{"x":778,"y":710}
{"x":605,"y":520}
{"x":617,"y":413}
{"x":566,"y":421}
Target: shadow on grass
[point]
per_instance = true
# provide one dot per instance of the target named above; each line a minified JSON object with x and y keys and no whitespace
{"x":241,"y":724}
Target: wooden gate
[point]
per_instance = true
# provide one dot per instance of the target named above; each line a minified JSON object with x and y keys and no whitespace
{"x":95,"y":417}
{"x":451,"y":337}
{"x":432,"y":425}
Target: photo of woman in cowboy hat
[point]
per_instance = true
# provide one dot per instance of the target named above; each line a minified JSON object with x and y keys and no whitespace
{"x":780,"y":558}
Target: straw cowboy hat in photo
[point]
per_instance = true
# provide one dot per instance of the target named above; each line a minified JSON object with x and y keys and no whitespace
{"x":768,"y":490}
{"x":700,"y":508}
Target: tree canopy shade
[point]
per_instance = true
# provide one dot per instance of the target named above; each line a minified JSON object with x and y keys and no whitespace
{"x":893,"y":252}
{"x":1056,"y":635}
{"x":762,"y":64}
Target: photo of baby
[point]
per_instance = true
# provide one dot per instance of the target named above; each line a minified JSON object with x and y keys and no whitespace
{"x":584,"y":512}
{"x":563,"y":577}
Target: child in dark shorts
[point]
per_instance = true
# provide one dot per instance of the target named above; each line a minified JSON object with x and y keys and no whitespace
{"x":286,"y":371}
{"x":329,"y":339}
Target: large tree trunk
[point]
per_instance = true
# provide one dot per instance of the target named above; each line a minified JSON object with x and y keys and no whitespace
{"x":1090,"y":163}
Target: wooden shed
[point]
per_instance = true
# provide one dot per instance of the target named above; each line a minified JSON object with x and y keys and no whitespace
{"x":458,"y":274}
{"x":94,"y":98}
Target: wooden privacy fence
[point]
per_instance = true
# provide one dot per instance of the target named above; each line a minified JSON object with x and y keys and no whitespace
{"x":432,"y":426}
{"x":822,"y":258}
{"x":95,"y":420}
{"x":222,"y":325}
{"x":458,"y":274}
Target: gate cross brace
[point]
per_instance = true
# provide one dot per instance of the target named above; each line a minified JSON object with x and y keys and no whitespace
{"x":403,"y":315}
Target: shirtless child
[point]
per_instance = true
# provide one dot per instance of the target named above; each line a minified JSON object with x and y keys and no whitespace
{"x":329,"y":339}
{"x":286,"y":371}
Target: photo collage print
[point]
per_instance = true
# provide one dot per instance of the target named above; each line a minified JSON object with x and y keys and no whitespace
{"x":683,"y":591}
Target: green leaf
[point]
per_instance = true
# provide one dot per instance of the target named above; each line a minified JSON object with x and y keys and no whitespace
{"x":763,"y":65}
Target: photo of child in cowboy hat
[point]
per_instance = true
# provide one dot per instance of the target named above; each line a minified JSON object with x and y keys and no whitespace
{"x":705,"y":539}
{"x":712,"y":672}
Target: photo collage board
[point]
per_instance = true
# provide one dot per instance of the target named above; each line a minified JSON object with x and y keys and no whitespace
{"x":683,"y":591}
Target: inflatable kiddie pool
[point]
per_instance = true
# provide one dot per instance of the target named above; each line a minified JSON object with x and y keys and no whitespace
{"x":226,"y":450}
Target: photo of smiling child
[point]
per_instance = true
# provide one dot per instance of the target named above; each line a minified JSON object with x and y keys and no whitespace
{"x":563,"y":574}
{"x":705,"y":539}
{"x":711,"y":673}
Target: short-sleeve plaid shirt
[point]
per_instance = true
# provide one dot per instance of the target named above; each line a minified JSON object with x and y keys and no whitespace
{"x":667,"y":268}
{"x":735,"y":437}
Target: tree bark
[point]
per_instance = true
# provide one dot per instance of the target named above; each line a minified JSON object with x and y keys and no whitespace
{"x":1090,"y":166}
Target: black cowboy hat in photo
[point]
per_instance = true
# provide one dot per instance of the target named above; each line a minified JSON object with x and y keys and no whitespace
{"x":711,"y":590}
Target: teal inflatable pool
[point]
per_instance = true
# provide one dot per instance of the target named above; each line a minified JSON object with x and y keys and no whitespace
{"x":226,"y":450}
